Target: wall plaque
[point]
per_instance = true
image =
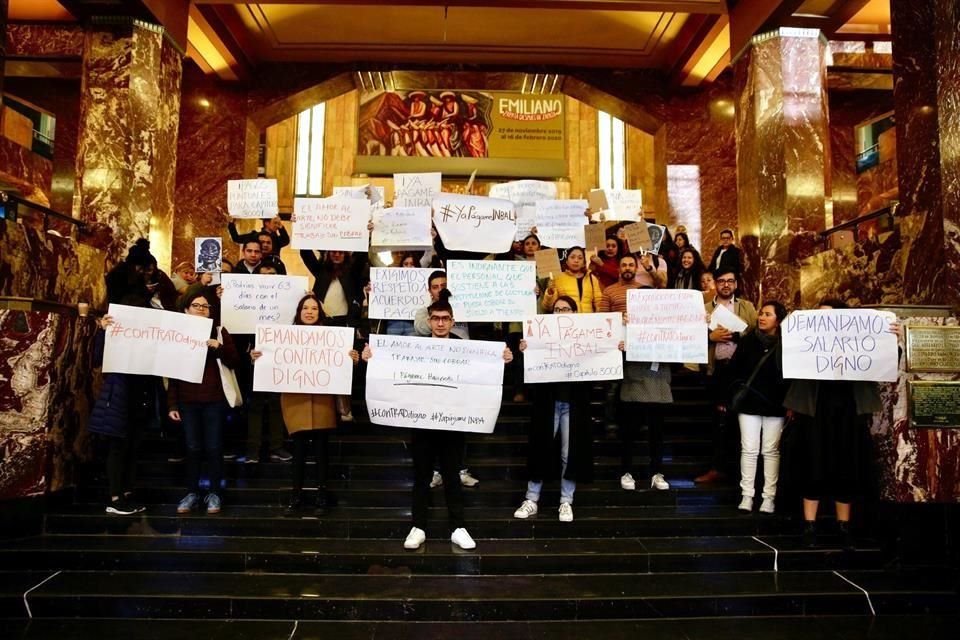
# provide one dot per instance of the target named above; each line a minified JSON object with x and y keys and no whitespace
{"x":933,"y":349}
{"x":934,"y":403}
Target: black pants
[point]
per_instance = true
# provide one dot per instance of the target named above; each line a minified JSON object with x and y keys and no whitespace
{"x":447,"y":448}
{"x":719,"y":391}
{"x":122,"y":457}
{"x":315,"y":442}
{"x":632,"y":415}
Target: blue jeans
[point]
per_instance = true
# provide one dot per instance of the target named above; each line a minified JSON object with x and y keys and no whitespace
{"x":400,"y":328}
{"x":203,"y":428}
{"x":561,"y":423}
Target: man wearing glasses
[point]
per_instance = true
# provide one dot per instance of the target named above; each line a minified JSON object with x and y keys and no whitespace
{"x":723,"y":344}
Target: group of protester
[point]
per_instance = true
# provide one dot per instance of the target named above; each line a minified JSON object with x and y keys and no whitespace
{"x":832,"y":444}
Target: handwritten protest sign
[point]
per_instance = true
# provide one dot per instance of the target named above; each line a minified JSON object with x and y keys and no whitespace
{"x":397,"y":293}
{"x":595,"y":235}
{"x":252,"y":198}
{"x":548,"y":263}
{"x":638,"y":237}
{"x":249,"y":300}
{"x":573,"y":347}
{"x":336,"y":223}
{"x":151,"y":342}
{"x":492,"y":291}
{"x":526,"y":220}
{"x":474,"y":223}
{"x":415,"y":189}
{"x":209,"y":254}
{"x":401,"y":228}
{"x":363,"y":192}
{"x":666,"y":326}
{"x":617,"y":204}
{"x":560,"y":222}
{"x":840,"y":344}
{"x":524,"y":192}
{"x":303,"y":359}
{"x":434,"y":383}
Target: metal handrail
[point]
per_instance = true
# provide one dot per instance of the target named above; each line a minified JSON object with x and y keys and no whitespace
{"x":7,"y":197}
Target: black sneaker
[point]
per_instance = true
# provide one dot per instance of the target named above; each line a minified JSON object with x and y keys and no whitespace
{"x":121,"y":508}
{"x":847,"y":540}
{"x":133,"y":503}
{"x":810,"y":535}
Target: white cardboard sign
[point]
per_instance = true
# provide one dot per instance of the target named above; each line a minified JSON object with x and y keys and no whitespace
{"x":475,"y":223}
{"x":249,"y":300}
{"x":666,"y":325}
{"x":397,"y":293}
{"x":560,"y":223}
{"x":338,"y":223}
{"x":435,"y":383}
{"x":573,"y":347}
{"x":492,"y":290}
{"x":415,"y":189}
{"x":524,"y":192}
{"x":840,"y":344}
{"x":303,"y":359}
{"x":401,"y":228}
{"x":151,"y":342}
{"x":252,"y":198}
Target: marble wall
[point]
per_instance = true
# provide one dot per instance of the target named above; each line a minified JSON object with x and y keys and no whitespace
{"x":46,"y":394}
{"x":916,"y":465}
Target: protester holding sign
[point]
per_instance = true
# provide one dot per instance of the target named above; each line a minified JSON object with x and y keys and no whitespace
{"x":575,"y":282}
{"x":443,"y":444}
{"x":723,"y":344}
{"x":310,"y":417}
{"x":273,"y":227}
{"x":605,"y":264}
{"x":200,"y":407}
{"x":832,"y":455}
{"x":559,"y":409}
{"x":758,"y":400}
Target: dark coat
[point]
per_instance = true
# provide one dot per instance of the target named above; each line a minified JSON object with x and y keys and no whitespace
{"x":731,"y":261}
{"x":110,"y":411}
{"x":768,"y":386}
{"x":352,"y":279}
{"x":280,"y":238}
{"x":543,"y":454}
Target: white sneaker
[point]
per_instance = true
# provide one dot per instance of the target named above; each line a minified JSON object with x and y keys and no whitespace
{"x":767,"y":506}
{"x":566,"y":513}
{"x":468,"y":480}
{"x":627,"y":482}
{"x":462,"y":539}
{"x":437,"y":480}
{"x":657,"y":482}
{"x":746,"y":504}
{"x":525,"y":510}
{"x":415,"y":538}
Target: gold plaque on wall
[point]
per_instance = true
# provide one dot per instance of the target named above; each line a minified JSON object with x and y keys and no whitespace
{"x":933,"y":349}
{"x":934,"y":403}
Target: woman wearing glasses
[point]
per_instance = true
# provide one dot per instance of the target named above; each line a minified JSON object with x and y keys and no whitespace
{"x":559,"y":409}
{"x":200,"y":407}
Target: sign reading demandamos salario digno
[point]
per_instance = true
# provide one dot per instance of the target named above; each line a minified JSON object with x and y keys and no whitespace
{"x":458,"y":132}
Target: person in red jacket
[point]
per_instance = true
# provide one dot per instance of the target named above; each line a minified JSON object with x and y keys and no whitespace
{"x":200,"y":407}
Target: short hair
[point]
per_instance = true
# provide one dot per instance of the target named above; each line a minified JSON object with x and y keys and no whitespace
{"x":187,"y":299}
{"x":436,"y":274}
{"x":250,"y":241}
{"x":833,"y":303}
{"x":442,"y":303}
{"x":724,"y":271}
{"x":570,"y":301}
{"x":730,"y":231}
{"x":629,"y":255}
{"x":778,"y":309}
{"x":183,"y":265}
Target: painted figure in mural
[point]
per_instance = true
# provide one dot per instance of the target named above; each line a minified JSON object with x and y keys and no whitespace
{"x":474,"y":129}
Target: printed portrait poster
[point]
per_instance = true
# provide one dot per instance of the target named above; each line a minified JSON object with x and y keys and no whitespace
{"x":434,"y":383}
{"x":303,"y":359}
{"x":840,"y":344}
{"x":151,"y":342}
{"x":209,"y":255}
{"x":475,"y":223}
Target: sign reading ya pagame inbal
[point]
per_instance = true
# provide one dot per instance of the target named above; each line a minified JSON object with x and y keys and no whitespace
{"x":152,"y":342}
{"x":434,"y":383}
{"x":840,"y":344}
{"x":252,"y":198}
{"x":415,"y":189}
{"x":249,"y":300}
{"x":666,"y":326}
{"x":397,"y":293}
{"x":573,"y":347}
{"x":303,"y":359}
{"x":474,"y":223}
{"x":492,"y":290}
{"x":337,"y":224}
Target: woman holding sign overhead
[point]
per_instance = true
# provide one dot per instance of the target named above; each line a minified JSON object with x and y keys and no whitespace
{"x":309,"y":418}
{"x":575,"y":282}
{"x":200,"y":407}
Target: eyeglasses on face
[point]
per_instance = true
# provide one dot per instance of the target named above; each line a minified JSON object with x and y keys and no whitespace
{"x":563,"y":309}
{"x":441,"y":318}
{"x":199,"y":306}
{"x":726,"y":281}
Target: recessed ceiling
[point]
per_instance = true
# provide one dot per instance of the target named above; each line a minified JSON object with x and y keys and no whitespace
{"x":874,"y":17}
{"x":32,"y":10}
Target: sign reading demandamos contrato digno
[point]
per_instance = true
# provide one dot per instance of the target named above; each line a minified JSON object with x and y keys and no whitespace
{"x":434,"y":383}
{"x":458,"y":132}
{"x":303,"y":359}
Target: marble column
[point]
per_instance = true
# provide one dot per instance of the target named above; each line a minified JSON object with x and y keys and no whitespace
{"x":926,"y":96}
{"x":783,"y":158}
{"x":3,"y":42}
{"x":127,"y":141}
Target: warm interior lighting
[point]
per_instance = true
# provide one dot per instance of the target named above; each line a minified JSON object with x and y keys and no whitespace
{"x":308,"y":180}
{"x":612,"y":151}
{"x":710,"y":58}
{"x":683,"y":198}
{"x":206,"y":49}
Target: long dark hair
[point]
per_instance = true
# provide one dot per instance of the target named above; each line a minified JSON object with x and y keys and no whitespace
{"x":778,"y":309}
{"x":321,"y":319}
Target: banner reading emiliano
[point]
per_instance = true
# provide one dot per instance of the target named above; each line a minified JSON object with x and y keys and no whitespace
{"x":458,"y":132}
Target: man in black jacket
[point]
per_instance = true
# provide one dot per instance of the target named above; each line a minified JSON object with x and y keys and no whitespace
{"x":271,"y":226}
{"x":727,"y":256}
